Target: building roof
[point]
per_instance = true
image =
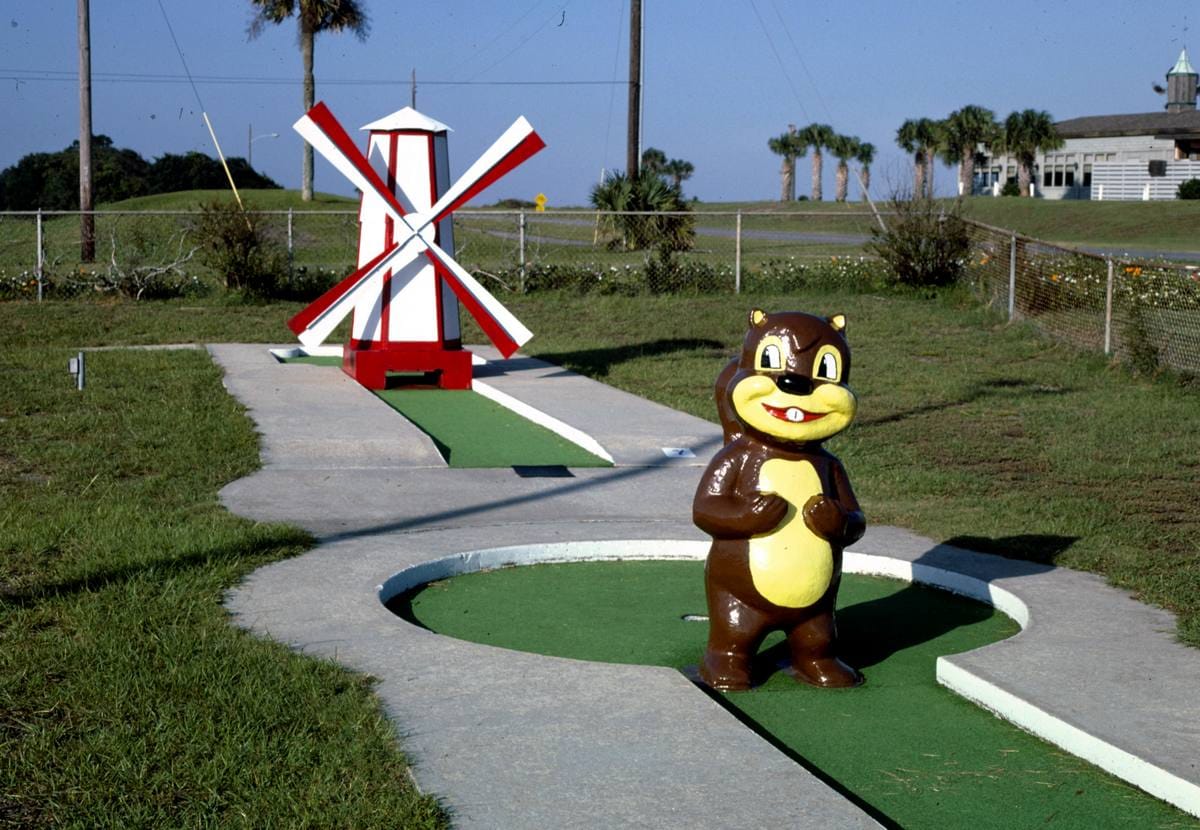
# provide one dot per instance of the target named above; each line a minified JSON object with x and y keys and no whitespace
{"x":406,"y":119}
{"x":1182,"y":66}
{"x":1166,"y":124}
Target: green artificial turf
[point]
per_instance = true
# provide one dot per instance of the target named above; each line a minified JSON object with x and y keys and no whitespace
{"x":470,"y":430}
{"x":911,"y":752}
{"x":473,"y":431}
{"x":314,"y":360}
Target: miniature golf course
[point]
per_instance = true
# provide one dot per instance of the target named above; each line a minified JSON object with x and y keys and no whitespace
{"x":470,"y":430}
{"x":910,"y":752}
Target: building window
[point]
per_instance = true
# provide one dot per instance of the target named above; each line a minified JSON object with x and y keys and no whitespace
{"x":1069,"y":176}
{"x":1058,"y":175}
{"x":1047,"y":177}
{"x":1087,"y":175}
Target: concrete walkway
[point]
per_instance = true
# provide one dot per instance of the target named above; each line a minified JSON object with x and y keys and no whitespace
{"x":508,"y":739}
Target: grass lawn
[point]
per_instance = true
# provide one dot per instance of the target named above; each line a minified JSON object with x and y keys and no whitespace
{"x":914,"y":753}
{"x":128,"y":699}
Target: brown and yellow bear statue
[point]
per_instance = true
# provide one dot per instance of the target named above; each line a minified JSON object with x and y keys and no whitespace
{"x":778,"y":505}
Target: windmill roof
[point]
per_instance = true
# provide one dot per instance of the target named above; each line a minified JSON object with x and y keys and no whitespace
{"x":1166,"y":124}
{"x":406,"y":119}
{"x":1182,"y":66}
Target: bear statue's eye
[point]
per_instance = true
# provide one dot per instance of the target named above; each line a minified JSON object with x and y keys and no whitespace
{"x":771,"y":358}
{"x":827,"y":367}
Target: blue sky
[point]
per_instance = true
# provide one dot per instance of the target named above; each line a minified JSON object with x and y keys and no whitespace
{"x":717,"y":86}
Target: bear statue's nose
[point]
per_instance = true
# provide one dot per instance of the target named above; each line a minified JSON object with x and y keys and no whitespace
{"x":794,"y":384}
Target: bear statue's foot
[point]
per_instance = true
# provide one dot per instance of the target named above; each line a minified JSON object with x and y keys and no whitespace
{"x":827,"y":672}
{"x":725,"y":672}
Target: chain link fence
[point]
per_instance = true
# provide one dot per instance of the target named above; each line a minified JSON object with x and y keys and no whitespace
{"x":152,"y":254}
{"x":1144,"y":312}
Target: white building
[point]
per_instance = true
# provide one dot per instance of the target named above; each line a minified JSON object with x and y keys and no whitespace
{"x":1140,"y":156}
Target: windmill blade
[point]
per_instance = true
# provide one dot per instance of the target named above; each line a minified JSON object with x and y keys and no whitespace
{"x":318,"y":320}
{"x":320,"y":129}
{"x":518,"y":143}
{"x":506,"y":332}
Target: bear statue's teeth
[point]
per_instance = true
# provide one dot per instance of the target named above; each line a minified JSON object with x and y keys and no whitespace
{"x":794,"y":414}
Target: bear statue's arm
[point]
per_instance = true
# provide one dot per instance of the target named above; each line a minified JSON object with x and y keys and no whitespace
{"x":723,"y":512}
{"x":836,"y":517}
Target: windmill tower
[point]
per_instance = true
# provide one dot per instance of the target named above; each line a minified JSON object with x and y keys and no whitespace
{"x":408,"y":310}
{"x":405,"y":292}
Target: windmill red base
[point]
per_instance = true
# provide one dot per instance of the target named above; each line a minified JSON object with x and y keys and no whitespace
{"x":369,"y":366}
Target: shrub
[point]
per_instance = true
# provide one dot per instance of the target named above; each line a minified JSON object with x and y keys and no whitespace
{"x":1189,"y":189}
{"x":924,"y":245}
{"x":630,"y":223}
{"x":1010,"y":189}
{"x":665,"y":273}
{"x":235,"y":245}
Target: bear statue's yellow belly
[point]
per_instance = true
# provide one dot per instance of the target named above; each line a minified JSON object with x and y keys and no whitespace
{"x":791,"y":566}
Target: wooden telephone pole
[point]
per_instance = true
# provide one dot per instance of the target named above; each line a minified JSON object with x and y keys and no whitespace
{"x":87,"y":222}
{"x":632,"y":162}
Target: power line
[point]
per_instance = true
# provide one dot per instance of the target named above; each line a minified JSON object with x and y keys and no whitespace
{"x":799,"y":57}
{"x":52,"y":75}
{"x":782,"y":66}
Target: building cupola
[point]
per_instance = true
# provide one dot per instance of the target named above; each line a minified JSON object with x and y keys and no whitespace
{"x":1181,"y":85}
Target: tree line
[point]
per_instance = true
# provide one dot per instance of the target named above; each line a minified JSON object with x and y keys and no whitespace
{"x":816,"y":138}
{"x":956,"y":139}
{"x":50,"y":181}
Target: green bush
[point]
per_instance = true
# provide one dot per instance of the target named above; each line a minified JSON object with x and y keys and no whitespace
{"x":234,"y":243}
{"x":1010,"y":189}
{"x":1189,"y":189}
{"x":925,"y":245}
{"x":305,"y":284}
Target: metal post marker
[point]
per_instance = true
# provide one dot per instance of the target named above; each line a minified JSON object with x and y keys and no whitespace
{"x":76,"y":367}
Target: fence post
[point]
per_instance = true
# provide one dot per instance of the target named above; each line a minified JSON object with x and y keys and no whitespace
{"x":41,"y":256}
{"x":1012,"y":278}
{"x":1108,"y":303}
{"x":291,"y":253}
{"x":521,"y":246}
{"x":737,"y":255}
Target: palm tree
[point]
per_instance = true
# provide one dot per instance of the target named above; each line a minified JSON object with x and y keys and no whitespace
{"x":314,"y":17}
{"x":678,"y":170}
{"x":844,"y":147}
{"x":1022,"y":135}
{"x":654,"y":161}
{"x":816,"y":137}
{"x":906,"y":140}
{"x":643,"y":212}
{"x":964,"y":130}
{"x":789,"y":146}
{"x":865,"y":156}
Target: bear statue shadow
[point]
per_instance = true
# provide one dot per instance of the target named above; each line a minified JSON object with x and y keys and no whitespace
{"x":872,"y":631}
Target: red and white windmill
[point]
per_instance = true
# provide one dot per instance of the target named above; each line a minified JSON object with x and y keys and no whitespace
{"x":405,"y":319}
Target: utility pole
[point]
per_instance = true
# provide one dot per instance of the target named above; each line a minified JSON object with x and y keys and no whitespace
{"x":87,"y":222}
{"x":633,"y":138}
{"x":414,"y":88}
